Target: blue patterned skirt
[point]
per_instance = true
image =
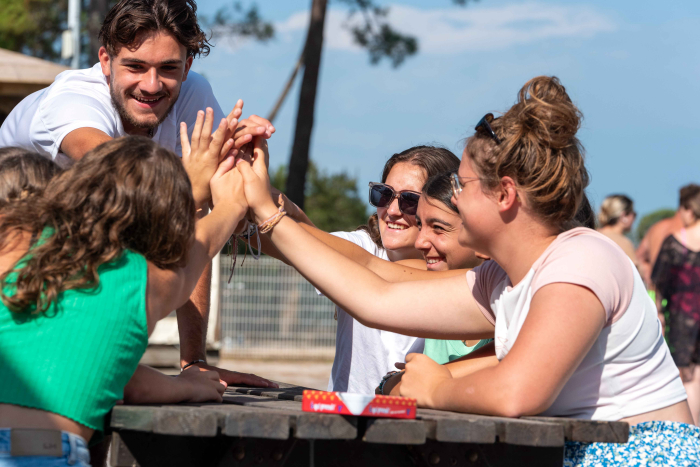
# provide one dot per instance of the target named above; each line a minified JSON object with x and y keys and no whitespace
{"x":651,"y":444}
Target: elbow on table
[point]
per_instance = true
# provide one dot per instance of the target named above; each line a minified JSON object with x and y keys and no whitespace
{"x":518,"y":402}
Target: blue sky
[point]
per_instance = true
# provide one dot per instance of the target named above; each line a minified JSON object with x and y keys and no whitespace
{"x":632,"y":67}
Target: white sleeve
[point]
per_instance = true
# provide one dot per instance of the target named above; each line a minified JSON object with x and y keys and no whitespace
{"x":67,"y":111}
{"x":362,"y":239}
{"x":195,"y":95}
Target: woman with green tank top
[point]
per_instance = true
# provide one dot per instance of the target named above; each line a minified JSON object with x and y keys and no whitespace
{"x":88,"y":269}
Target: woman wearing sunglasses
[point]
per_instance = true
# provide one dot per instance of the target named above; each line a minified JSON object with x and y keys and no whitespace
{"x":576,"y":335}
{"x":364,"y":355}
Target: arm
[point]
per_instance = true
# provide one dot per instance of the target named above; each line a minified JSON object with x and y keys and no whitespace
{"x":150,"y":386}
{"x":482,"y":358}
{"x":78,"y":142}
{"x":192,"y":319}
{"x":644,"y":258}
{"x":441,"y":308}
{"x":553,"y":341}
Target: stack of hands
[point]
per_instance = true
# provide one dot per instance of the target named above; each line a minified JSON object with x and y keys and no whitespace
{"x":228,"y":168}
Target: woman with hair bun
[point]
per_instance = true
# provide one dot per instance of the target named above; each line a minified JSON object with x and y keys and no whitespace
{"x":615,"y":219}
{"x":576,"y":335}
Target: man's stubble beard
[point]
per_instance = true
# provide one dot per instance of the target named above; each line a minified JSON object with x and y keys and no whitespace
{"x":124,"y":115}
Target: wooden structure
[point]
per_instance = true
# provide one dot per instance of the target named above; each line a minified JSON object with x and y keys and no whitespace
{"x":21,"y":75}
{"x":266,"y":427}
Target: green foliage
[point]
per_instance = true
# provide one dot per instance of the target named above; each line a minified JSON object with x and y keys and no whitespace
{"x":235,"y":21}
{"x":33,"y":27}
{"x":650,"y":219}
{"x":332,"y":202}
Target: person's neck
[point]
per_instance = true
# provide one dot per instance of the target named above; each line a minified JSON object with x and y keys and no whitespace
{"x":614,"y":229}
{"x":137,"y":131}
{"x":518,"y":249}
{"x":403,"y":253}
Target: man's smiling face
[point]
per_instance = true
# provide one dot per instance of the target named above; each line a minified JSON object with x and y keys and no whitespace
{"x":145,"y":79}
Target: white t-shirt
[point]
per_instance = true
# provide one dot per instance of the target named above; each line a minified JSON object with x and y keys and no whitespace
{"x":629,"y":370}
{"x":80,"y":99}
{"x":364,"y":355}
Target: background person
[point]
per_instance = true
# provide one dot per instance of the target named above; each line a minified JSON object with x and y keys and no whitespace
{"x":520,"y":183}
{"x":23,"y":173}
{"x":649,"y":247}
{"x":676,"y":278}
{"x":143,"y":86}
{"x":615,"y":219}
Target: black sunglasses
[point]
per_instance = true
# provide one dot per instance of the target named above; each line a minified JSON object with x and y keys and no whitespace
{"x":484,"y":124}
{"x":382,"y":195}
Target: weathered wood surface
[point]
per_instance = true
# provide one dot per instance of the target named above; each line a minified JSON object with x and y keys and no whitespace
{"x":276,"y":414}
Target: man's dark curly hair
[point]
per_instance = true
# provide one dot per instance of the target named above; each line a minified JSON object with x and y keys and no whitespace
{"x":129,"y":18}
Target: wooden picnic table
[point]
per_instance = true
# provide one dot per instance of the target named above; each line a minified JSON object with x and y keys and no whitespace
{"x":266,"y":427}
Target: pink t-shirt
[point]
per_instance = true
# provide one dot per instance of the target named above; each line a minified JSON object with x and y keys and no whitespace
{"x":629,"y":370}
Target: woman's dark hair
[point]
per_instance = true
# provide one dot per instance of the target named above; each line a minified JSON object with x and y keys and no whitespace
{"x":432,"y":159}
{"x":690,"y":199}
{"x":439,"y":187}
{"x":23,"y":174}
{"x":538,"y":149}
{"x":585,"y":217}
{"x":128,"y":193}
{"x":129,"y":18}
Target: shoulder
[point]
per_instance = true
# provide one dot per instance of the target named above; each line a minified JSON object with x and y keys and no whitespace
{"x":362,"y":239}
{"x":590,"y":259}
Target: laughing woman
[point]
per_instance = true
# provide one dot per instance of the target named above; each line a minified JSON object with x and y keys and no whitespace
{"x":576,"y":334}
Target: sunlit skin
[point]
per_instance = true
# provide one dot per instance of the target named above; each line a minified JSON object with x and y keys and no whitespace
{"x":152,"y":69}
{"x":438,"y":234}
{"x":398,"y":230}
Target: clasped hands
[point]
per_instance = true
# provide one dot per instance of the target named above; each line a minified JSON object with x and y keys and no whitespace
{"x":205,"y":152}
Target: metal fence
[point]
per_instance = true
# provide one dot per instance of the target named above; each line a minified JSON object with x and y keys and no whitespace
{"x":269,"y":310}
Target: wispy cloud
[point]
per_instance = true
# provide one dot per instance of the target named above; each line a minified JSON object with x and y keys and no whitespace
{"x":455,"y":30}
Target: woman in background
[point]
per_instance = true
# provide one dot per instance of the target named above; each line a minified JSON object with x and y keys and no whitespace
{"x":676,"y":276}
{"x":615,"y":219}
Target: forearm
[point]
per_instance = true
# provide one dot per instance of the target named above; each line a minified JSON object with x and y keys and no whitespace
{"x":149,"y":386}
{"x":396,"y":272}
{"x":428,"y":310}
{"x":192,"y":320}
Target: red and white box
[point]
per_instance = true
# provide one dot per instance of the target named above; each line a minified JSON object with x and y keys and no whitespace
{"x":363,"y":405}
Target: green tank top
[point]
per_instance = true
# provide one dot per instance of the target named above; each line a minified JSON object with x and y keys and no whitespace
{"x":75,"y":359}
{"x":446,"y":351}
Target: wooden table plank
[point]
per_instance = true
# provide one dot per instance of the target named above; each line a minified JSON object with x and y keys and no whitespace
{"x":507,"y":430}
{"x":395,"y":431}
{"x":590,"y":431}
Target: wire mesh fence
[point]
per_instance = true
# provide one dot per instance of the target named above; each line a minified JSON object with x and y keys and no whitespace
{"x":269,"y":310}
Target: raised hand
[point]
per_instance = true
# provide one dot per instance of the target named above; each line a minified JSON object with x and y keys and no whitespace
{"x":250,"y":128}
{"x":201,"y":156}
{"x":227,"y":187}
{"x":256,"y":182}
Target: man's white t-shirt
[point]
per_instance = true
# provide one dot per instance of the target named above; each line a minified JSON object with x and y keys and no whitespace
{"x":364,"y":355}
{"x":81,"y":99}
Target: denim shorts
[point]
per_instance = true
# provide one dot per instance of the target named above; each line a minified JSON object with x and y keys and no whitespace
{"x":75,"y":453}
{"x":651,"y":444}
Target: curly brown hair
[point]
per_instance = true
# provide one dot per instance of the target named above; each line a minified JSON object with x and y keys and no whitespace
{"x":126,"y":21}
{"x":127,"y":193}
{"x":538,"y":149}
{"x":23,"y":173}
